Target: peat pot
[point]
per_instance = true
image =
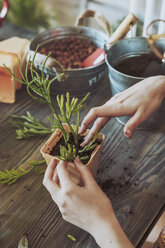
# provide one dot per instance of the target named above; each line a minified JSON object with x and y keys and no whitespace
{"x":78,"y":81}
{"x":92,"y":164}
{"x":122,"y":50}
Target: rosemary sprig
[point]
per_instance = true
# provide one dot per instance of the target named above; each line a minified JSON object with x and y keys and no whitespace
{"x":67,"y":154}
{"x":71,"y":107}
{"x":38,"y":165}
{"x":27,"y":126}
{"x":89,"y":146}
{"x":39,"y":89}
{"x":39,"y":85}
{"x":11,"y":176}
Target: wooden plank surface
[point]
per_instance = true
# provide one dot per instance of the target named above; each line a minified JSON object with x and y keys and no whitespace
{"x":131,"y":173}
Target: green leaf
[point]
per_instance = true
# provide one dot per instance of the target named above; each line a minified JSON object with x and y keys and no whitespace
{"x":62,"y":151}
{"x":67,"y":153}
{"x":62,"y":101}
{"x":84,"y":99}
{"x":58,"y":100}
{"x":67,"y":135}
{"x":67,"y":98}
{"x":74,"y":104}
{"x":71,"y":237}
{"x":84,"y":158}
{"x":90,"y":145}
{"x":36,"y":162}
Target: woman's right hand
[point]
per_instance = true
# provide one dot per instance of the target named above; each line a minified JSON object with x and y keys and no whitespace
{"x":85,"y":206}
{"x":138,"y":101}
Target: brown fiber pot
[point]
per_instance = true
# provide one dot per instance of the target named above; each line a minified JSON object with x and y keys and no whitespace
{"x":92,"y":163}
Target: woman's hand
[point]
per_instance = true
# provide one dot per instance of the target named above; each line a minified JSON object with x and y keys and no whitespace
{"x":80,"y":205}
{"x":138,"y":101}
{"x":84,"y":206}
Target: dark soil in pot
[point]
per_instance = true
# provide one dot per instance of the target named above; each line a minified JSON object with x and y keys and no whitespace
{"x":143,"y":65}
{"x":56,"y":149}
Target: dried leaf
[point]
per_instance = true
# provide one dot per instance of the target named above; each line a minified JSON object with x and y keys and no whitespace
{"x":23,"y":243}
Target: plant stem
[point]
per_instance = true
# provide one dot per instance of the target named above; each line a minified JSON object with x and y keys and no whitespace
{"x":58,"y":120}
{"x":70,"y":126}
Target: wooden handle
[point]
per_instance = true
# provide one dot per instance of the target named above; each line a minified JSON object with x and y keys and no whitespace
{"x":123,"y":28}
{"x":95,"y":14}
{"x":51,"y":64}
{"x":153,"y":37}
{"x":154,"y":49}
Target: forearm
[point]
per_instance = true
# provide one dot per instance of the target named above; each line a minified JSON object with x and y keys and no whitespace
{"x":109,"y":234}
{"x":162,"y":85}
{"x":158,"y":85}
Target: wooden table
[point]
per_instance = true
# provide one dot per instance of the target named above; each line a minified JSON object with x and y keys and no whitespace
{"x":131,"y":173}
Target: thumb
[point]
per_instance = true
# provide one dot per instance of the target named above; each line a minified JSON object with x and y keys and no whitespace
{"x":85,"y":173}
{"x":133,"y":123}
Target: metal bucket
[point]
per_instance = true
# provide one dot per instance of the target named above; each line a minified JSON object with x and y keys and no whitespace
{"x":79,"y":81}
{"x":120,"y":81}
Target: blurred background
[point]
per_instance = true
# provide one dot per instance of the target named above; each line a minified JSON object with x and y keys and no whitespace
{"x":37,"y":15}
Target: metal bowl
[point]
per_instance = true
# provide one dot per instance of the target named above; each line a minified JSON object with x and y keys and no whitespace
{"x":79,"y":81}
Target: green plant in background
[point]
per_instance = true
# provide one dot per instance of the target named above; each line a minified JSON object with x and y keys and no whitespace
{"x":38,"y":87}
{"x":29,"y":14}
{"x":139,"y":27}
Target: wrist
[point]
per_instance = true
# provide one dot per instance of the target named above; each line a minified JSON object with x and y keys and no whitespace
{"x":109,"y":234}
{"x":161,"y":84}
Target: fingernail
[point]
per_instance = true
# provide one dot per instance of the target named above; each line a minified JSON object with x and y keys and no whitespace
{"x":82,"y":144}
{"x":80,"y":130}
{"x":127,"y":133}
{"x":77,"y":159}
